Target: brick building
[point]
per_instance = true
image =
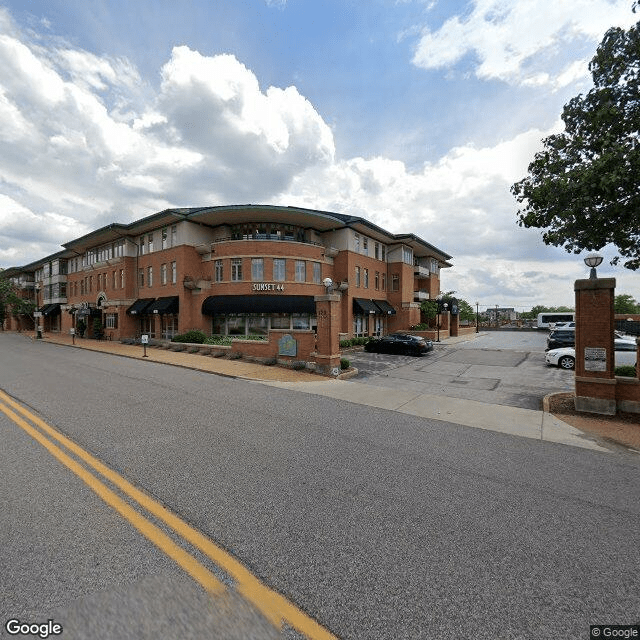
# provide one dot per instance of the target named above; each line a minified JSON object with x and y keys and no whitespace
{"x":233,"y":270}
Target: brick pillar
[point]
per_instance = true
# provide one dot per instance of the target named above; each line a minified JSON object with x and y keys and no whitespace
{"x":329,"y":315}
{"x":595,"y":378}
{"x":455,"y":326}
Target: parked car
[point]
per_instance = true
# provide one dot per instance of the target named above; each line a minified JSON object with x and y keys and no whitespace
{"x":565,"y":357}
{"x":402,"y":343}
{"x":561,"y":338}
{"x":562,"y":325}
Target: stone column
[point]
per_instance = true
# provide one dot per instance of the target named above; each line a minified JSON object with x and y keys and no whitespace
{"x":595,"y":357}
{"x":329,"y":315}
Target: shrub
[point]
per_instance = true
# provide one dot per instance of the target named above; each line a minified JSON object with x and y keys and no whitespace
{"x":219,"y":340}
{"x":194,"y":336}
{"x":345,"y":344}
{"x":298,"y":365}
{"x":235,"y":355}
{"x":626,"y":371}
{"x":344,"y":363}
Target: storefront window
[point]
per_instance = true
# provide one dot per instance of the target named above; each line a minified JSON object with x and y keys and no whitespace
{"x":258,"y":325}
{"x":301,"y":321}
{"x":219,"y":325}
{"x":281,"y":321}
{"x":169,"y":326}
{"x":236,"y":325}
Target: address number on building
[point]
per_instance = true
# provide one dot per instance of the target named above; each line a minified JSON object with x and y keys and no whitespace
{"x":267,"y":286}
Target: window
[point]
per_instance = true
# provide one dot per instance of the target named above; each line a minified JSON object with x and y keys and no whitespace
{"x":357,"y":276}
{"x":434,"y":267}
{"x":142,"y":246}
{"x":317,"y":273}
{"x":301,"y":321}
{"x":279,"y":270}
{"x":407,"y":255}
{"x":366,"y":278}
{"x":174,"y":272}
{"x":356,"y":242}
{"x":376,"y":280}
{"x":257,"y":269}
{"x":301,"y":271}
{"x":280,"y":321}
{"x":395,"y":282}
{"x":149,"y":276}
{"x":114,"y":280}
{"x":365,"y":246}
{"x":376,"y":250}
{"x":147,"y":326}
{"x":236,"y":270}
{"x":150,"y":243}
{"x":174,"y":236}
{"x":219,"y":271}
{"x":383,"y":253}
{"x":359,"y":324}
{"x":169,"y":326}
{"x":163,"y":274}
{"x":122,"y":278}
{"x":384,"y":281}
{"x":141,"y":277}
{"x":111,"y":321}
{"x":164,"y":241}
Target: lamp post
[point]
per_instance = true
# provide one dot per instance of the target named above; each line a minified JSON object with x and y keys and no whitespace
{"x":477,"y":317}
{"x":593,"y":260}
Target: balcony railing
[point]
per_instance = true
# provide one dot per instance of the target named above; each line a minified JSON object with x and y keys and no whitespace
{"x":420,"y":295}
{"x":421,"y":272}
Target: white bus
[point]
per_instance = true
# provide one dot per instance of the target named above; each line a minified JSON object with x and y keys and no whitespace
{"x":546,"y":320}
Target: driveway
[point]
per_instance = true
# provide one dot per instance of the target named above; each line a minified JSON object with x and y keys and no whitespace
{"x":505,"y":367}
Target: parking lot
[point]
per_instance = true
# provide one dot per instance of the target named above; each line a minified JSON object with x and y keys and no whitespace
{"x":500,"y":367}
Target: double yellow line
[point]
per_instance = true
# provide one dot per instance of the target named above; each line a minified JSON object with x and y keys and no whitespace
{"x":275,"y":607}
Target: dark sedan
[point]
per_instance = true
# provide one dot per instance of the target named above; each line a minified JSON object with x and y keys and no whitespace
{"x":402,"y":343}
{"x":561,"y":338}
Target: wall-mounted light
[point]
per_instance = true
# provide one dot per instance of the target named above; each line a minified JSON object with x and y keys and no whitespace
{"x":593,"y":260}
{"x":328,"y":283}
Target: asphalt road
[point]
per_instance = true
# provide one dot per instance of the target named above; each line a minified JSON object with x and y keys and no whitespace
{"x":377,"y":524}
{"x":500,"y":367}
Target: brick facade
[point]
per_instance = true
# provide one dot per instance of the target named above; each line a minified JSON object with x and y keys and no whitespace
{"x":196,"y":254}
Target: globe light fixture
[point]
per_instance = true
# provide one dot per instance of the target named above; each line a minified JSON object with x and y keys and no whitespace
{"x":328,"y":283}
{"x":593,"y":260}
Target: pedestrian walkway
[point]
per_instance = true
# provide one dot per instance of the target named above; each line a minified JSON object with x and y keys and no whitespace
{"x":220,"y":366}
{"x":527,"y":423}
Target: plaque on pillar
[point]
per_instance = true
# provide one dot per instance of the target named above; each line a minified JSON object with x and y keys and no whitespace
{"x":287,"y":346}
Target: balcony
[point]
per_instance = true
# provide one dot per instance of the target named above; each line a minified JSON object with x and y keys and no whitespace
{"x":420,"y":296}
{"x":421,"y":272}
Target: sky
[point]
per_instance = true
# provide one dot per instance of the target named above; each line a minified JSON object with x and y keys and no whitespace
{"x":417,"y":115}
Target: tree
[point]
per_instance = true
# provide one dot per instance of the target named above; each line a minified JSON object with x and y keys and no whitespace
{"x":533,"y":314}
{"x":624,"y":303}
{"x":11,"y":303}
{"x":584,"y":187}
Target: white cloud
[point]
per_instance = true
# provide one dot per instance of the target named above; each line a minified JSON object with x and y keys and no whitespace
{"x":80,"y":147}
{"x":511,"y":41}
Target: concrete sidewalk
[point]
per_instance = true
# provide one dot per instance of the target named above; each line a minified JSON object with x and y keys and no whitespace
{"x":527,"y":423}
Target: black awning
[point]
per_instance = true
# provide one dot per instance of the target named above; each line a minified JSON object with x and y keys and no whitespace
{"x":385,"y":308}
{"x":50,"y":309}
{"x":164,"y":305}
{"x":258,"y":304}
{"x":139,"y":307}
{"x":361,"y":305}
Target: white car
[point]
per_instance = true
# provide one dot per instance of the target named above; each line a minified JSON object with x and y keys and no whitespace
{"x":565,"y":357}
